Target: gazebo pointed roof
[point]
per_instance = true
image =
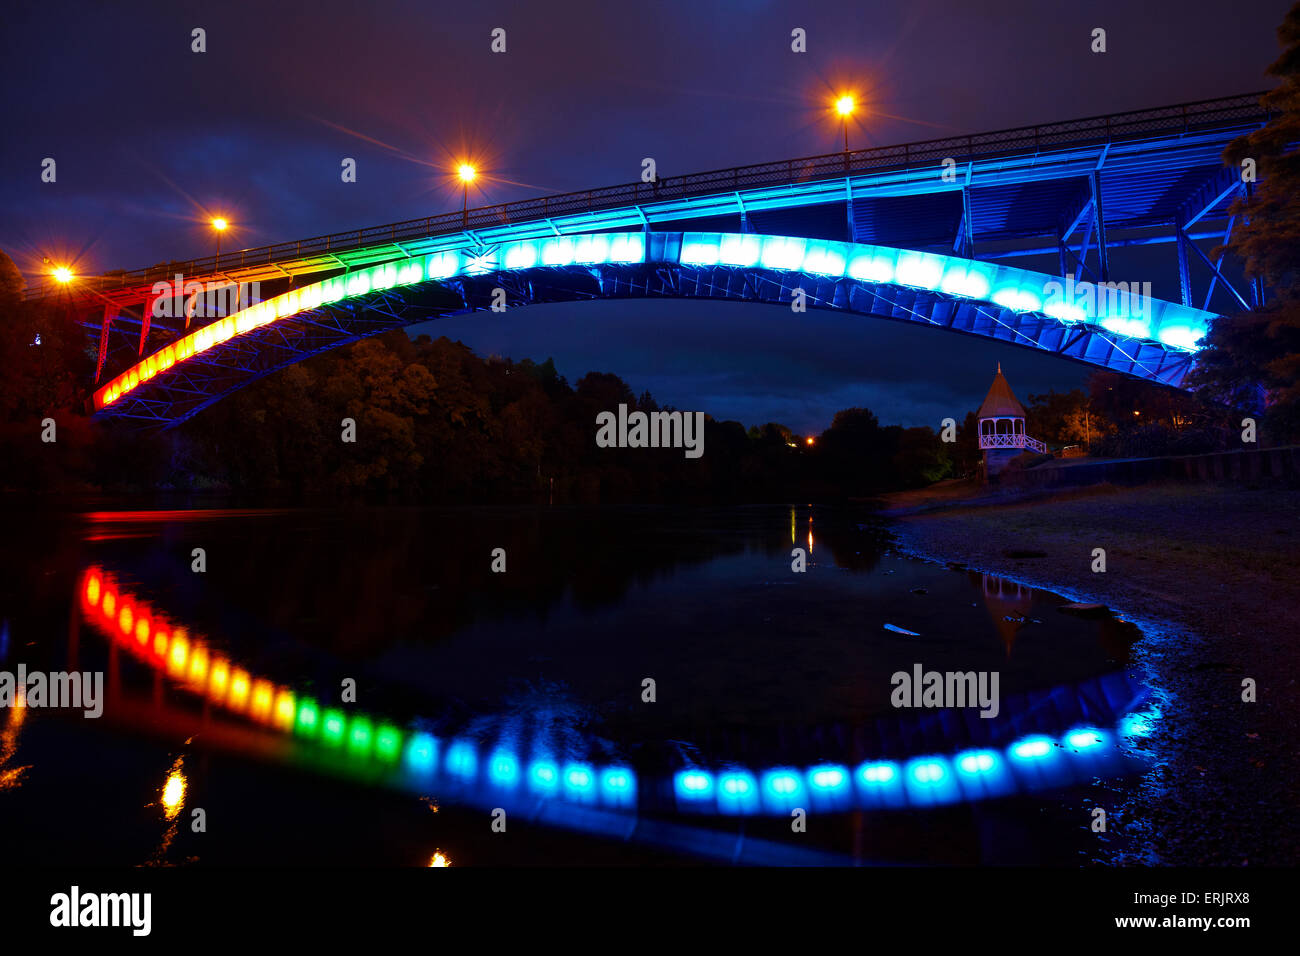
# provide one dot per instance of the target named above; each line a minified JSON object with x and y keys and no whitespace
{"x":1000,"y":401}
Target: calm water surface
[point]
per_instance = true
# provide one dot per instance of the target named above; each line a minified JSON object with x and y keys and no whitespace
{"x":753,"y":666}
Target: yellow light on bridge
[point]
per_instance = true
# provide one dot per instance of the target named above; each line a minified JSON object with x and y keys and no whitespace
{"x":220,"y":224}
{"x":466,"y":172}
{"x":63,"y":274}
{"x":844,"y":105}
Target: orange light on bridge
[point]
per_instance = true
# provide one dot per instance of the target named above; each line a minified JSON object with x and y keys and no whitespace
{"x":63,"y":275}
{"x":466,"y":172}
{"x":220,"y":224}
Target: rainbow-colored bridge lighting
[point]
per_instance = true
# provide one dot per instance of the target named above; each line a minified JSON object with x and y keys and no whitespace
{"x":1121,"y":311}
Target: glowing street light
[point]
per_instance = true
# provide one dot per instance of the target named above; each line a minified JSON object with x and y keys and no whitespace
{"x":220,"y":225}
{"x":63,"y":275}
{"x":845,"y":106}
{"x":466,"y":172}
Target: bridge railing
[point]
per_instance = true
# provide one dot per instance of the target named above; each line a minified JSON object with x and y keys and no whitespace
{"x":1204,"y":115}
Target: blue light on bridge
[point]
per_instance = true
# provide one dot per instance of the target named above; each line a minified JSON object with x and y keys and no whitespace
{"x":824,"y":259}
{"x":783,"y":252}
{"x":971,"y":281}
{"x":872,"y":267}
{"x":919,"y":270}
{"x":443,"y":265}
{"x":521,"y":255}
{"x":1181,"y":336}
{"x":1017,"y":299}
{"x":1066,"y":311}
{"x":1137,"y":328}
{"x":739,"y":251}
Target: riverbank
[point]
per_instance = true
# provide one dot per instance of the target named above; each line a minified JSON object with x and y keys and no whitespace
{"x":1212,"y":574}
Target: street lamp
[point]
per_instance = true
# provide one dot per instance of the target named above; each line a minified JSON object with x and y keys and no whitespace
{"x":466,"y":172}
{"x":220,"y":225}
{"x":63,"y":275}
{"x":844,"y":106}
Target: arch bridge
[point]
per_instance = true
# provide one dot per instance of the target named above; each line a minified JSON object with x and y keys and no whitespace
{"x":922,"y":232}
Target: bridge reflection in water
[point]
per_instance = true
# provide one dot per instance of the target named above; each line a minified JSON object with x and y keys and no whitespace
{"x":1041,"y":740}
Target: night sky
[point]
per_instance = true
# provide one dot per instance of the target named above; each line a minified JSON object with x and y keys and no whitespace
{"x":151,"y":140}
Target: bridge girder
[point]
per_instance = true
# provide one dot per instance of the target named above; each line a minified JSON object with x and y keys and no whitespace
{"x":931,"y":290}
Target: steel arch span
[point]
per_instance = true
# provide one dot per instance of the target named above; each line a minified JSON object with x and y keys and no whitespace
{"x":1109,"y":325}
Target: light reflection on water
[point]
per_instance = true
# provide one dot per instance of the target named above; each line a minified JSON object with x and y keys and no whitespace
{"x":413,"y":758}
{"x":547,"y":758}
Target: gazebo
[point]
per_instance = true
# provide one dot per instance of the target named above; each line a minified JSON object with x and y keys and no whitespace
{"x":1002,"y":427}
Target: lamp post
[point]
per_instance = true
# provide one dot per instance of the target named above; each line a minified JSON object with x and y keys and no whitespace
{"x":844,"y":106}
{"x":220,"y":225}
{"x":466,"y":172}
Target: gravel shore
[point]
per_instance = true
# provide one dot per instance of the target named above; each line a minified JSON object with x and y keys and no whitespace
{"x":1212,"y":575}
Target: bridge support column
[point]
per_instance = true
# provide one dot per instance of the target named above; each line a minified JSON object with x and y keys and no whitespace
{"x":145,"y":316}
{"x":967,"y":239}
{"x":1103,"y":264}
{"x":109,"y":312}
{"x":1184,"y":274}
{"x":848,"y":206}
{"x":1257,"y":283}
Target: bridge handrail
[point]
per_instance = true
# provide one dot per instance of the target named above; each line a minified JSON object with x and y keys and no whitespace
{"x":1200,"y":115}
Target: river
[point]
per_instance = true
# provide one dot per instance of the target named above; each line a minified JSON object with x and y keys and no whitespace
{"x":544,"y":685}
